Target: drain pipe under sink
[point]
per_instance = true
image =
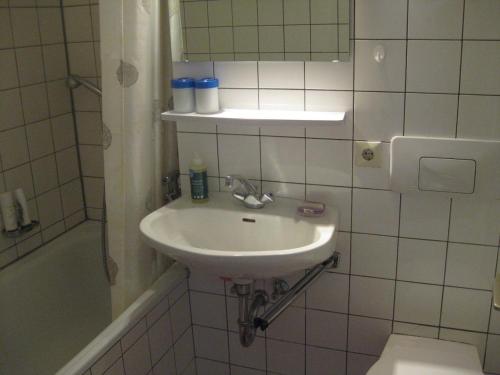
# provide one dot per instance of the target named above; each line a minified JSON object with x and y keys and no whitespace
{"x":248,"y":320}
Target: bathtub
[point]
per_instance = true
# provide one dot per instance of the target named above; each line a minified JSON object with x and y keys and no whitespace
{"x":53,"y":302}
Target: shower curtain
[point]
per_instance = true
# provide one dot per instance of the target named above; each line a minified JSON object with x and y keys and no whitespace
{"x":132,"y":82}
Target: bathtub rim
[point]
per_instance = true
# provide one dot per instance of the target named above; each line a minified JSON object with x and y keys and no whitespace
{"x":168,"y":281}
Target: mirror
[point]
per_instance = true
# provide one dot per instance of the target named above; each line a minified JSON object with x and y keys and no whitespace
{"x":253,"y":30}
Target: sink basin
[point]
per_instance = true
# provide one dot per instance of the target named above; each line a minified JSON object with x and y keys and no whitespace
{"x":224,"y":238}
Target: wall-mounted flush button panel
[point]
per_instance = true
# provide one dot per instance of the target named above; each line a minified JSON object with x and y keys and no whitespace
{"x":446,"y":166}
{"x":447,"y":175}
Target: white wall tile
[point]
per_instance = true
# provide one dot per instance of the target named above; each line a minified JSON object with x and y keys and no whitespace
{"x":384,"y":19}
{"x":5,"y":29}
{"x":433,"y":66}
{"x":107,"y":359}
{"x":55,"y":63}
{"x":415,"y":330}
{"x":51,"y":30}
{"x":329,"y":76}
{"x":330,"y":292}
{"x":480,"y":61}
{"x":207,"y":367}
{"x":375,"y":212}
{"x":30,"y":65}
{"x":374,"y":255}
{"x":8,"y":75}
{"x":78,"y":24}
{"x":481,"y":21}
{"x":49,"y":208}
{"x":478,"y":117}
{"x":368,"y":335}
{"x":35,"y":104}
{"x":471,"y":266}
{"x":241,"y":74}
{"x":283,"y":159}
{"x":165,"y":365}
{"x":180,"y":315}
{"x":11,"y":112}
{"x":289,"y":326}
{"x":475,"y":221}
{"x":13,"y":148}
{"x":25,"y":27}
{"x":330,"y":101}
{"x":160,"y":338}
{"x":281,"y":75}
{"x":137,"y":359}
{"x":492,"y":362}
{"x":134,"y":333}
{"x":421,"y":261}
{"x":428,"y":19}
{"x":371,"y":297}
{"x":325,"y":329}
{"x":379,"y":116}
{"x":208,"y":310}
{"x":284,"y":357}
{"x":283,"y":189}
{"x":211,"y":343}
{"x":39,"y":139}
{"x":236,"y":370}
{"x":287,"y":100}
{"x":328,"y":162}
{"x":424,"y":216}
{"x":466,"y":309}
{"x":193,"y":69}
{"x":431,"y":115}
{"x":72,"y":197}
{"x":389,"y":75}
{"x":239,"y":99}
{"x":184,"y":352}
{"x":418,"y":303}
{"x":239,"y":155}
{"x":320,"y":361}
{"x":205,"y":283}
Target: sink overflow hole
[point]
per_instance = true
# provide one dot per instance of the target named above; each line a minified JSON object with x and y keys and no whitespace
{"x":247,"y":220}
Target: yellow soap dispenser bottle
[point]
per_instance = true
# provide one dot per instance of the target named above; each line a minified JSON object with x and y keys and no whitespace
{"x":199,"y":179}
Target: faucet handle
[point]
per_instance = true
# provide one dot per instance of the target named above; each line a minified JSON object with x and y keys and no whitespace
{"x":228,"y":181}
{"x":267,"y":198}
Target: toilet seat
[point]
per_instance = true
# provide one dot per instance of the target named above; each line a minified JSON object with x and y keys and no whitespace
{"x":408,"y":355}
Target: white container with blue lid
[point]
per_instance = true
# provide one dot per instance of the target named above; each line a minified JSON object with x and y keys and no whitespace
{"x":183,"y":93}
{"x":207,"y":95}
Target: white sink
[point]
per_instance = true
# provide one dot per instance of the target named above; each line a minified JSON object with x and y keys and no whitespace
{"x":224,"y":238}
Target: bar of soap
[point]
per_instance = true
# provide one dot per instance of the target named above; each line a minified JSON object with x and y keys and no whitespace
{"x":311,"y":209}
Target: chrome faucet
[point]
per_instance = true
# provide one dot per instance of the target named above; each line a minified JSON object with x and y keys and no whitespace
{"x":247,"y":193}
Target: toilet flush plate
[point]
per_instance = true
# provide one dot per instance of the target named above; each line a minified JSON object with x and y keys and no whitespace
{"x":446,"y":166}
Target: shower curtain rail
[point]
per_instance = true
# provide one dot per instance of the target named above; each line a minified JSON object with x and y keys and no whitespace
{"x":74,"y":81}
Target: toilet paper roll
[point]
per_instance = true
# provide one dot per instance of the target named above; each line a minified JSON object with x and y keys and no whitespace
{"x":8,"y":208}
{"x":25,"y":218}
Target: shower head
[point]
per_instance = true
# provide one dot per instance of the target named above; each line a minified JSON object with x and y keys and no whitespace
{"x":73,"y":82}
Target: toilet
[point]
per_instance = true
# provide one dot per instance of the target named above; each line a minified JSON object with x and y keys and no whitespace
{"x":409,"y":355}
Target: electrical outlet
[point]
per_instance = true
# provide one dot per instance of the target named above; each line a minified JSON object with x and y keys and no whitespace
{"x":368,"y":154}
